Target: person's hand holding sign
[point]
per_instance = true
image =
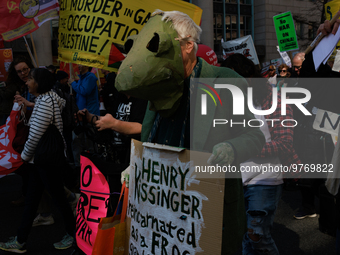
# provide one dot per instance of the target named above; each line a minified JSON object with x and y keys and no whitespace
{"x":223,"y":154}
{"x":326,"y":27}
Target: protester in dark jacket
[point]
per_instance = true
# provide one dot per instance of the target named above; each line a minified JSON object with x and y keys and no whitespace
{"x":15,"y":83}
{"x":314,"y":147}
{"x":62,"y":81}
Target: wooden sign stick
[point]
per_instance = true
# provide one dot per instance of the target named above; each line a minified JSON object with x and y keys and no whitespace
{"x":35,"y":52}
{"x":320,"y":35}
{"x":30,"y":53}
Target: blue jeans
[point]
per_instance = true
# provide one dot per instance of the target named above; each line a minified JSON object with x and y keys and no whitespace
{"x":261,"y":203}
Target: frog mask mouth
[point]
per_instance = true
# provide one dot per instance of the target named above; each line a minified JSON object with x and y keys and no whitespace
{"x":153,"y":69}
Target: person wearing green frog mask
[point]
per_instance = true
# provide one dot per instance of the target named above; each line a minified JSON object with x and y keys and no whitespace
{"x":159,"y":66}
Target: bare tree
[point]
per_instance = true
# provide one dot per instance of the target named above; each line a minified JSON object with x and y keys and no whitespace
{"x":308,"y":21}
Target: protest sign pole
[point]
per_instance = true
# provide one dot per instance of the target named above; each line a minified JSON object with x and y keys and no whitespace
{"x":30,"y":53}
{"x":98,"y":78}
{"x":35,"y":52}
{"x":320,"y":35}
{"x":71,"y":75}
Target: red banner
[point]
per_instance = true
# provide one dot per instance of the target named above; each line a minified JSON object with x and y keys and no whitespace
{"x":10,"y":160}
{"x":6,"y":58}
{"x":21,"y":17}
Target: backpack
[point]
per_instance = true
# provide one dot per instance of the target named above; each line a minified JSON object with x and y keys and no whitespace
{"x":70,"y":109}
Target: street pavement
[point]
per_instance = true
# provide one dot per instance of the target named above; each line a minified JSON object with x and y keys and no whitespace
{"x":293,"y":237}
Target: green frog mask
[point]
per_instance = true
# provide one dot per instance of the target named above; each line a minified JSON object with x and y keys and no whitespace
{"x":153,"y":69}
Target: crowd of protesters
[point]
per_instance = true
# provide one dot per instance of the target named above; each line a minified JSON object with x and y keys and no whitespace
{"x":46,"y":98}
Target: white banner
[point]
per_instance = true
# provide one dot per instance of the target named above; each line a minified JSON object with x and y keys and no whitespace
{"x":327,"y":122}
{"x":336,"y":66}
{"x":285,"y":57}
{"x":276,"y":62}
{"x":243,"y":45}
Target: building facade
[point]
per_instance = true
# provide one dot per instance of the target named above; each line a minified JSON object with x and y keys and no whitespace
{"x":221,"y":19}
{"x":233,"y":19}
{"x":307,"y":15}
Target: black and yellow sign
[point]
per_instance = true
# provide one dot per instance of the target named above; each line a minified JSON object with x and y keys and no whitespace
{"x":88,"y":28}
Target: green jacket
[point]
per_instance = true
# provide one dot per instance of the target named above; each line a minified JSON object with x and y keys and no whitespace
{"x":246,"y":141}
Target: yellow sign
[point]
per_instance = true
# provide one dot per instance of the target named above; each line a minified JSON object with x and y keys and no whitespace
{"x":331,"y":9}
{"x":88,"y":29}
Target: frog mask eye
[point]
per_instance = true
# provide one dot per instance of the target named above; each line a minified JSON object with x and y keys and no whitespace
{"x":129,"y":43}
{"x":160,"y":43}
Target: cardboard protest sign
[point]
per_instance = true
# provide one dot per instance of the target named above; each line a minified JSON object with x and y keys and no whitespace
{"x":327,"y":122}
{"x":265,"y":67}
{"x":92,"y":204}
{"x":170,"y":210}
{"x":243,"y":45}
{"x":276,"y":62}
{"x":25,"y":16}
{"x":331,"y":8}
{"x":6,"y":58}
{"x":285,"y":57}
{"x":10,"y":160}
{"x":285,"y":32}
{"x":88,"y":30}
{"x":336,"y":65}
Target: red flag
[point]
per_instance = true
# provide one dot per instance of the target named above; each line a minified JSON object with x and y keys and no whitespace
{"x":66,"y":68}
{"x":21,"y":17}
{"x":10,"y":160}
{"x":115,"y":56}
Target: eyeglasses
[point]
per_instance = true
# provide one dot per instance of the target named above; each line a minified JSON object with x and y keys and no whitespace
{"x":297,"y":67}
{"x":271,"y":69}
{"x":284,"y":71}
{"x":24,"y":71}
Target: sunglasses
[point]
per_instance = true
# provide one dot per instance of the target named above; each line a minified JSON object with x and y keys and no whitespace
{"x":271,"y":69}
{"x":285,"y":71}
{"x":297,"y":67}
